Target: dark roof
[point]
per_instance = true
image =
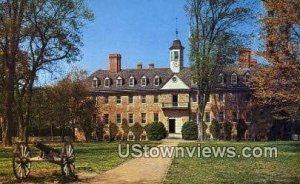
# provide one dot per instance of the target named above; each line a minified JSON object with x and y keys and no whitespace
{"x":164,"y":74}
{"x":176,"y":45}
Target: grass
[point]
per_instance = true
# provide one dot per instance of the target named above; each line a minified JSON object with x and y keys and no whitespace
{"x":90,"y":158}
{"x":283,"y":169}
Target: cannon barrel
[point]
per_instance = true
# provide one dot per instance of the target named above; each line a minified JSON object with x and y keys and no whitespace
{"x":46,"y":149}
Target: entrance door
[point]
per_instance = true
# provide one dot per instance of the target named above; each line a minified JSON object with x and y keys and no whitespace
{"x":172,"y":126}
{"x":175,"y":100}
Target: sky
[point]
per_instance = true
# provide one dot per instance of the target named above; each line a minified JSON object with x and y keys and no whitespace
{"x":140,"y":30}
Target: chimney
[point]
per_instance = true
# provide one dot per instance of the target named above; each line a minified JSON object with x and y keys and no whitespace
{"x":245,"y":57}
{"x":151,"y":66}
{"x":114,"y":63}
{"x":139,"y":66}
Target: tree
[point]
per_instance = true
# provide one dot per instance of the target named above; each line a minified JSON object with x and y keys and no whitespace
{"x":276,"y":86}
{"x":11,"y":18}
{"x":213,"y":43}
{"x":215,"y":129}
{"x":227,"y":127}
{"x":46,"y":33}
{"x":241,"y":128}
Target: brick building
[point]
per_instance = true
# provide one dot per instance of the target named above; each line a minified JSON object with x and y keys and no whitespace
{"x":145,"y":95}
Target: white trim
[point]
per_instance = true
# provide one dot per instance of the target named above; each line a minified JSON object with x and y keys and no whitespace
{"x":107,"y":78}
{"x":131,"y":78}
{"x":117,"y":119}
{"x":144,"y":79}
{"x":132,"y":118}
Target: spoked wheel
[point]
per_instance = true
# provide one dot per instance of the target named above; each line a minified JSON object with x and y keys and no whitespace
{"x":21,"y":161}
{"x":68,"y":160}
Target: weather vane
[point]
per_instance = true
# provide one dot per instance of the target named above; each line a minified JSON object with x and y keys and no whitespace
{"x":176,"y":29}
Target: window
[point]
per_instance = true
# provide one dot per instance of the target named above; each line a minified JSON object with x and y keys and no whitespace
{"x":155,"y":98}
{"x":221,"y":97}
{"x":131,"y":81}
{"x":234,"y":97}
{"x":143,"y":118}
{"x":118,"y":99}
{"x":106,"y":118}
{"x":156,"y":81}
{"x":144,"y":81}
{"x":130,"y":99}
{"x":107,"y":82}
{"x":247,"y":77}
{"x":119,"y":82}
{"x":155,"y":117}
{"x":234,"y":116}
{"x":221,"y":79}
{"x":194,"y":98}
{"x":234,"y":79}
{"x":208,"y":99}
{"x":176,"y":55}
{"x":119,"y":119}
{"x":143,"y":98}
{"x":96,"y":82}
{"x":130,"y":118}
{"x":207,"y":116}
{"x":174,"y":79}
{"x":221,"y":116}
{"x":106,"y":99}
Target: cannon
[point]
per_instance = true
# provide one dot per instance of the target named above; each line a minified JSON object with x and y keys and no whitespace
{"x":22,"y":159}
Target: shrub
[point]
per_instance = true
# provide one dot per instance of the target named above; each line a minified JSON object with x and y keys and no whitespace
{"x":99,"y":131}
{"x":189,"y":131}
{"x":227,"y":127}
{"x":241,"y":128}
{"x":137,"y":130}
{"x":113,"y":130}
{"x":296,"y":127}
{"x":156,"y":131}
{"x":125,"y":128}
{"x":215,"y":128}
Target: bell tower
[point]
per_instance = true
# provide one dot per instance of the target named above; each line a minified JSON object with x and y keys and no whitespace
{"x":176,"y":54}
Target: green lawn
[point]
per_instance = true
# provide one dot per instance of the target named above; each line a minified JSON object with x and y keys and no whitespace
{"x":90,"y":158}
{"x":283,"y":169}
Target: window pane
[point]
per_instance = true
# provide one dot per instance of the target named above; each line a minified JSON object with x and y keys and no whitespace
{"x":221,"y":116}
{"x":130,"y":118}
{"x":207,"y":116}
{"x":118,"y":118}
{"x":143,"y":117}
{"x":194,"y":98}
{"x":155,"y":118}
{"x":155,"y":98}
{"x":130,"y":99}
{"x":118,"y":99}
{"x":221,"y":97}
{"x":106,"y":118}
{"x":106,"y":99}
{"x":143,"y":98}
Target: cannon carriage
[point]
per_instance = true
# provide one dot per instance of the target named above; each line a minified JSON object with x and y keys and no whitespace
{"x":22,"y":159}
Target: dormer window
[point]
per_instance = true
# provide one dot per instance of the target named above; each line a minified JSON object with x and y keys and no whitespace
{"x":144,"y":81}
{"x":234,"y":79}
{"x":131,"y":81}
{"x":107,"y":82}
{"x":156,"y":81}
{"x":119,"y":82}
{"x":247,"y":77}
{"x":96,"y":82}
{"x":221,"y":79}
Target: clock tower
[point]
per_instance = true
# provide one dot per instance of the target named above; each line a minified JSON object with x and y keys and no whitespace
{"x":176,"y":56}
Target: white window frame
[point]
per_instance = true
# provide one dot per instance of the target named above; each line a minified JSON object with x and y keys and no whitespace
{"x":105,"y":83}
{"x":247,"y":77}
{"x":222,"y":118}
{"x":144,"y":81}
{"x":131,"y":81}
{"x":157,"y":117}
{"x":156,"y":81}
{"x":120,"y":119}
{"x":119,"y":82}
{"x":234,"y":97}
{"x":95,"y":82}
{"x":129,"y":118}
{"x":209,"y":116}
{"x":223,"y":97}
{"x":132,"y":99}
{"x":117,"y":99}
{"x":106,"y":98}
{"x":234,"y":79}
{"x":142,"y":99}
{"x":223,"y":79}
{"x":142,"y":118}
